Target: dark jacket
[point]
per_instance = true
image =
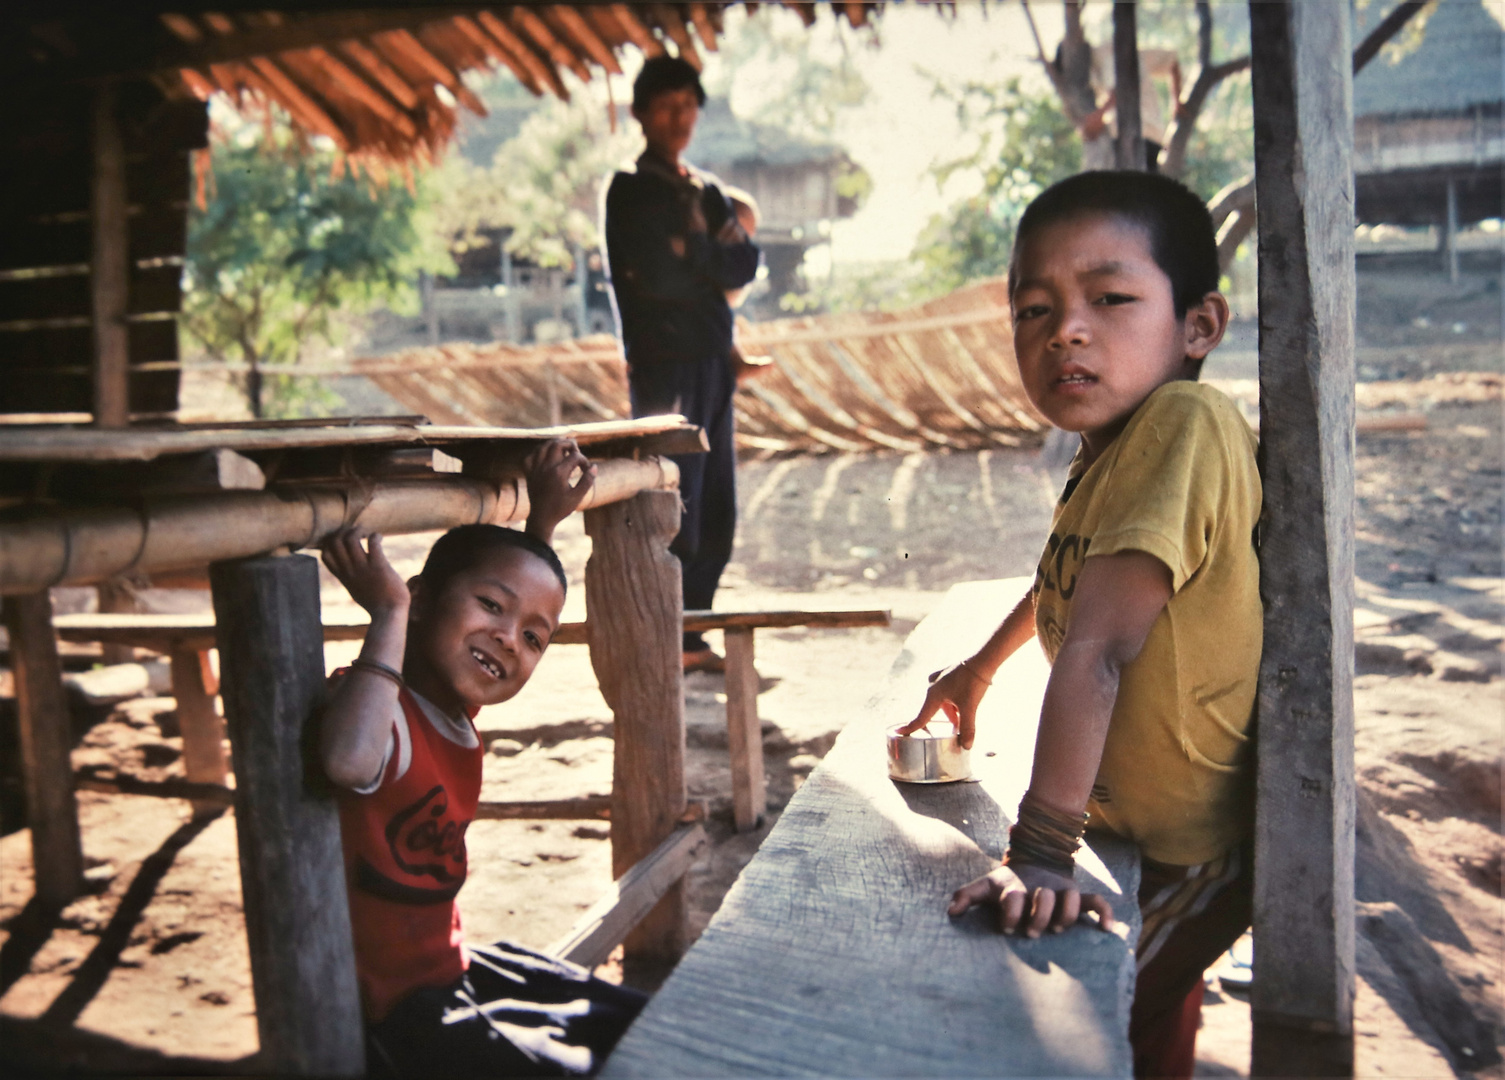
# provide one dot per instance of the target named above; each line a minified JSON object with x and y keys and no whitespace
{"x":671,"y":308}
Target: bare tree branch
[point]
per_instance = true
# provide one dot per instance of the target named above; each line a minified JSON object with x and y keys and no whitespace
{"x":1173,"y":161}
{"x":1389,"y":26}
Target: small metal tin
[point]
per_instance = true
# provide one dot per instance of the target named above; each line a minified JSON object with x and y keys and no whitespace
{"x":933,"y":756}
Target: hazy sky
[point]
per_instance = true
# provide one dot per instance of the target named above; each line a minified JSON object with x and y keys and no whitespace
{"x":901,"y":130}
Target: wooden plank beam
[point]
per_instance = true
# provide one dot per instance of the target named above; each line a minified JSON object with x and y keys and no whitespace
{"x":633,"y":604}
{"x":744,"y":731}
{"x":606,"y":922}
{"x":1304,"y":833}
{"x":110,"y":270}
{"x":308,"y":1012}
{"x":51,"y":809}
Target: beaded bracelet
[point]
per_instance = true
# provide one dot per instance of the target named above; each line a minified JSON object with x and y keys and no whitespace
{"x":376,"y":667}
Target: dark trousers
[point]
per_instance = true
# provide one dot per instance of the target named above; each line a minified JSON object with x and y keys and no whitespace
{"x":513,"y":1013}
{"x":702,"y":393}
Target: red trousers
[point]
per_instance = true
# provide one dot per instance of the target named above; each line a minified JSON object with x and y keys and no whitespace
{"x":1192,"y":915}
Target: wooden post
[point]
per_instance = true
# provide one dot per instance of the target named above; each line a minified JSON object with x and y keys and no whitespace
{"x":430,"y":311}
{"x":744,"y":730}
{"x":51,"y":810}
{"x":203,"y":733}
{"x":271,"y":647}
{"x":1129,"y":148}
{"x":511,"y":309}
{"x":109,"y":266}
{"x":1304,"y":832}
{"x":116,"y":599}
{"x":1450,"y":231}
{"x":634,"y":615}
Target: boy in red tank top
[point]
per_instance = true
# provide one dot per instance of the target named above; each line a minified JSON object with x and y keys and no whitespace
{"x":397,"y":738}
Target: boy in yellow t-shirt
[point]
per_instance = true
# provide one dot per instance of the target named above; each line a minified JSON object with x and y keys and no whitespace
{"x":1146,"y":599}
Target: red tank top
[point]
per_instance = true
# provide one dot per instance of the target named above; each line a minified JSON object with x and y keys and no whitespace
{"x":405,"y":861}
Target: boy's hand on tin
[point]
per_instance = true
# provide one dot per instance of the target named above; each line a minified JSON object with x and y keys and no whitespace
{"x":365,"y":572}
{"x":1031,"y":900}
{"x":551,"y":496}
{"x":956,"y":691}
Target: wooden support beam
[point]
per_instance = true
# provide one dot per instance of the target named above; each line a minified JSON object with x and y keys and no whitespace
{"x":1128,"y":149}
{"x":586,"y":808}
{"x":46,"y":736}
{"x":204,"y":760}
{"x":85,"y":546}
{"x":744,"y":731}
{"x":606,"y":922}
{"x":271,"y":644}
{"x":633,"y":603}
{"x":1304,"y":832}
{"x":109,"y":265}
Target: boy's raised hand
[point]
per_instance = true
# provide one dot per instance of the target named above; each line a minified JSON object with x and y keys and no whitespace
{"x":956,"y":691}
{"x":365,"y":572}
{"x":551,"y":496}
{"x":1031,"y":900}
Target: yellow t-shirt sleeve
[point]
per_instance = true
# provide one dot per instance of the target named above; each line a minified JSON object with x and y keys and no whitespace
{"x":1168,"y":484}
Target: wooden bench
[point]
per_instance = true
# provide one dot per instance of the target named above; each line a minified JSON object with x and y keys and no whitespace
{"x":833,"y":956}
{"x":186,"y":640}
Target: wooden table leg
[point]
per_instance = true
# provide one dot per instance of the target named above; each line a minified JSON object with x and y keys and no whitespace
{"x":46,"y":738}
{"x":203,"y":732}
{"x":271,"y":647}
{"x":744,"y":730}
{"x":634,"y":619}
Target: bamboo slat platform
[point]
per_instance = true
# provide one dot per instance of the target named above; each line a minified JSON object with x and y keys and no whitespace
{"x":938,"y":375}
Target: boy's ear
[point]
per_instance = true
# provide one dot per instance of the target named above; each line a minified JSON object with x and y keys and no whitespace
{"x":418,"y":608}
{"x":1205,"y":325}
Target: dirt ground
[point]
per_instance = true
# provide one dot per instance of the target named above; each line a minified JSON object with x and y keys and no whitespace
{"x":150,"y":973}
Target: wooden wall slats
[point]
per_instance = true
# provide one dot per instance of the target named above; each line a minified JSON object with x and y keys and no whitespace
{"x":46,"y":337}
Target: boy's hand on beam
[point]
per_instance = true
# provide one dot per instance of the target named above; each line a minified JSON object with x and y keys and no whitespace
{"x":957,"y":691}
{"x":1031,"y":900}
{"x":551,"y":495}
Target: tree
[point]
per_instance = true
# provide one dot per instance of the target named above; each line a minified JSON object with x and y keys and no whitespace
{"x":800,"y":87}
{"x":1021,"y":145}
{"x":543,"y":184}
{"x":289,"y":237}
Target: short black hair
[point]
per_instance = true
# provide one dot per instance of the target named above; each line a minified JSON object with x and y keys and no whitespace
{"x":1182,"y":241}
{"x":663,"y":73}
{"x":463,"y":546}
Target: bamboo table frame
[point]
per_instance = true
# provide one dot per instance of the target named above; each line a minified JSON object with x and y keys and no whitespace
{"x":239,"y":500}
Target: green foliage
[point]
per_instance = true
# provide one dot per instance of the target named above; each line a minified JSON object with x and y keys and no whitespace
{"x":287,"y":242}
{"x":544,"y":183}
{"x":1021,"y":144}
{"x":816,"y":80}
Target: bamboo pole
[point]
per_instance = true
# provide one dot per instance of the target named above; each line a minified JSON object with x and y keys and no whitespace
{"x":87,"y":546}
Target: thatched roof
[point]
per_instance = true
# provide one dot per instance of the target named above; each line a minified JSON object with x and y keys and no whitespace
{"x":1460,"y":65}
{"x":382,"y":83}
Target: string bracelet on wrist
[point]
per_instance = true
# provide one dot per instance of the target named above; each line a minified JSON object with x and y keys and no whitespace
{"x":376,"y":667}
{"x":1045,"y":837}
{"x":975,"y":673}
